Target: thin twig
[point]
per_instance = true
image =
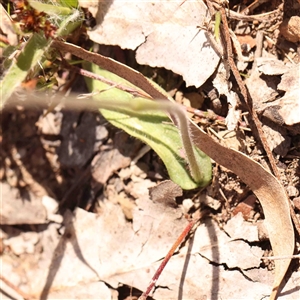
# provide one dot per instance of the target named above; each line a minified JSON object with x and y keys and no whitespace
{"x":132,"y":91}
{"x":247,"y":98}
{"x":281,"y":257}
{"x":166,"y":259}
{"x":249,"y":18}
{"x":15,"y":288}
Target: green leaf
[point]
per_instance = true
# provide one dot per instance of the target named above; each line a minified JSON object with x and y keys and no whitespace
{"x":31,"y":55}
{"x":50,"y":9}
{"x":27,"y":59}
{"x":152,"y":127}
{"x":69,"y":3}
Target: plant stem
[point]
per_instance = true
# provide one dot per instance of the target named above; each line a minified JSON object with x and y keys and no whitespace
{"x":166,"y":259}
{"x":171,"y":108}
{"x":183,"y":126}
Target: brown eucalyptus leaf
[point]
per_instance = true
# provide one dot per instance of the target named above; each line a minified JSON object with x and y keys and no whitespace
{"x":267,"y":189}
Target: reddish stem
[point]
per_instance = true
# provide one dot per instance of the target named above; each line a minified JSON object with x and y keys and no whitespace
{"x":166,"y":259}
{"x":15,"y":288}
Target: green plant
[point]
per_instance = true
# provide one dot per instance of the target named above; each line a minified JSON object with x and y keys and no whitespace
{"x":149,"y":121}
{"x":39,"y":33}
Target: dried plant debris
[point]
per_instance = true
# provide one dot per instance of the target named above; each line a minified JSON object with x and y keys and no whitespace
{"x":20,"y":207}
{"x":164,"y":34}
{"x":165,"y":193}
{"x":88,"y":240}
{"x":264,"y":90}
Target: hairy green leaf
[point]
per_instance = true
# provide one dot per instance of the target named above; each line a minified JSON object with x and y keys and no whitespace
{"x":152,"y":127}
{"x":31,"y":55}
{"x":50,"y":9}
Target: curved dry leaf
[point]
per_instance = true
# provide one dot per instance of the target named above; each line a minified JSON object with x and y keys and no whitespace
{"x":266,"y":187}
{"x":164,"y":33}
{"x":268,"y":190}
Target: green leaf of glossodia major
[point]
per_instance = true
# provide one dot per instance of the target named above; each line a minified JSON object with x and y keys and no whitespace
{"x":152,"y":127}
{"x":33,"y":54}
{"x":50,"y":8}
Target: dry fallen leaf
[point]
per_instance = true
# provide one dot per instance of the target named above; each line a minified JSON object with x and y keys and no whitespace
{"x":16,"y":209}
{"x":271,"y":66}
{"x":107,"y":162}
{"x":165,"y":193}
{"x":290,"y":107}
{"x":104,"y":248}
{"x":221,"y":83}
{"x":164,"y":34}
{"x":214,"y":244}
{"x":238,"y":228}
{"x":261,"y":90}
{"x":290,"y":103}
{"x":264,"y":89}
{"x":278,"y":139}
{"x":286,"y":110}
{"x":267,"y":189}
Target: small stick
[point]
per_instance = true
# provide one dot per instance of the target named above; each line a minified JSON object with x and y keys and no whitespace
{"x":281,"y":257}
{"x":166,"y":259}
{"x":133,"y":91}
{"x":15,"y":288}
{"x":244,"y":91}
